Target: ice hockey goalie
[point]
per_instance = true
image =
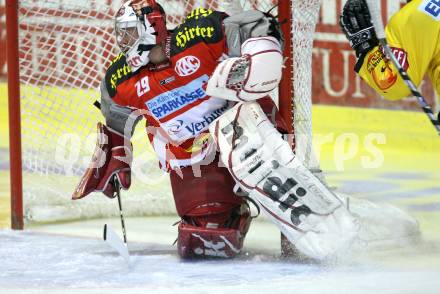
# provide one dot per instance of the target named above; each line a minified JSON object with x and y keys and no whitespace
{"x":212,"y":73}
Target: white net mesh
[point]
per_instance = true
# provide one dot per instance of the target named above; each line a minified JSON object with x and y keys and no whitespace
{"x":65,"y":46}
{"x":304,"y":18}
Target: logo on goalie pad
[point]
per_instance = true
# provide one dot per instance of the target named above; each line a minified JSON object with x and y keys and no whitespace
{"x":287,"y":194}
{"x":283,"y":185}
{"x":214,"y":248}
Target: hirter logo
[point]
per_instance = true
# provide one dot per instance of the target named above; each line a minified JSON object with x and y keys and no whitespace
{"x":187,"y":65}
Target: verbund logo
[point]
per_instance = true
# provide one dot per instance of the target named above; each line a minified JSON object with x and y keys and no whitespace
{"x":187,"y":65}
{"x":175,"y":127}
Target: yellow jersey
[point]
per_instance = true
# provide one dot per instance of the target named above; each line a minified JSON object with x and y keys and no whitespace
{"x":413,"y":34}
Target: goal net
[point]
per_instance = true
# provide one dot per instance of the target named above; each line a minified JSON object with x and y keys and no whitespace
{"x":64,"y":48}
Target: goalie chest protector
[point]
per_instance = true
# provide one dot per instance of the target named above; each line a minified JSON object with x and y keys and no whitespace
{"x":174,"y":96}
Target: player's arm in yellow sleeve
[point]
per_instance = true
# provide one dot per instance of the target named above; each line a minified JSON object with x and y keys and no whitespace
{"x":412,"y":35}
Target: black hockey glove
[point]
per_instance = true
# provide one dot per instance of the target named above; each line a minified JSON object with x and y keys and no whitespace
{"x":275,"y":28}
{"x":355,"y":22}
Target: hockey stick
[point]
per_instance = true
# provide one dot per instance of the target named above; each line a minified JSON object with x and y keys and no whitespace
{"x":113,"y":240}
{"x":110,"y":235}
{"x":376,"y":19}
{"x":118,"y":194}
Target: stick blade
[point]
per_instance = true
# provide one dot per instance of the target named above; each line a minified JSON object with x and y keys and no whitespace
{"x":113,"y":240}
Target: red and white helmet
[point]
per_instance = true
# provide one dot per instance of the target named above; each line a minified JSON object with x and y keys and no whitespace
{"x":139,"y":26}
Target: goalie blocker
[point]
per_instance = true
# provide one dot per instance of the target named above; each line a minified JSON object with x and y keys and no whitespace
{"x":314,"y":219}
{"x":251,"y":76}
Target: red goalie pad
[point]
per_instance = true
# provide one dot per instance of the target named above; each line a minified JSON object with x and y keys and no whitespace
{"x":112,"y":158}
{"x":194,"y":241}
{"x":214,"y":219}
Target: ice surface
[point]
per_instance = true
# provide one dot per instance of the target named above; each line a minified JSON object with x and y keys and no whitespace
{"x":37,"y":262}
{"x":72,"y":258}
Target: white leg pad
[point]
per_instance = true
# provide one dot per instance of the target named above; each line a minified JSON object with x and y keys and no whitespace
{"x":308,"y":213}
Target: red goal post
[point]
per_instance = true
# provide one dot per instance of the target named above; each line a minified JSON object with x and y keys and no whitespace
{"x":14,"y":115}
{"x":57,"y":52}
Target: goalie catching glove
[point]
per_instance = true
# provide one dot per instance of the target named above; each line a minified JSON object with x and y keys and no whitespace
{"x":251,"y":76}
{"x":262,"y":163}
{"x":111,"y":159}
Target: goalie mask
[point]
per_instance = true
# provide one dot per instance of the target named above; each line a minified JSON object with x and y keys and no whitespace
{"x":139,"y":26}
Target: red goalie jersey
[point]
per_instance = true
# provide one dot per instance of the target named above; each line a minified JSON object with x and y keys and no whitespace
{"x":172,"y":95}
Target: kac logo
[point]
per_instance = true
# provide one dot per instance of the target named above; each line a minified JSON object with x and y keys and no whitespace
{"x":134,"y":61}
{"x":187,"y":65}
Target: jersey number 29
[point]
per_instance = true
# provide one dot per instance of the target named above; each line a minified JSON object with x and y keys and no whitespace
{"x":142,"y":86}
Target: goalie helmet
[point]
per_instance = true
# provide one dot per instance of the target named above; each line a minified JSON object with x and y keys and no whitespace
{"x":139,"y":26}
